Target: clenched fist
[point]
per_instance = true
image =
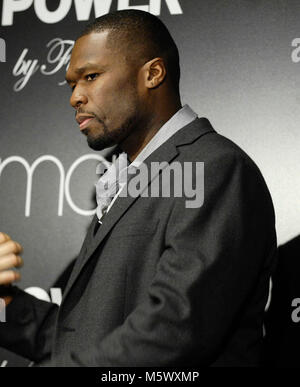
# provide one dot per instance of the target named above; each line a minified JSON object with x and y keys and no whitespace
{"x":9,"y":259}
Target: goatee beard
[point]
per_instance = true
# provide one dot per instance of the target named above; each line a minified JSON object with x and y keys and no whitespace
{"x":108,"y":139}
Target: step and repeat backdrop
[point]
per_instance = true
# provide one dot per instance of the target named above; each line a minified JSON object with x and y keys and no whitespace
{"x":240,"y":63}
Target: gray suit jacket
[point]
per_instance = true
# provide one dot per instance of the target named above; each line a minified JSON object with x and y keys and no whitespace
{"x":161,"y":284}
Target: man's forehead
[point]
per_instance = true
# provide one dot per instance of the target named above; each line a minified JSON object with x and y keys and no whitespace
{"x":90,"y":50}
{"x":90,"y":45}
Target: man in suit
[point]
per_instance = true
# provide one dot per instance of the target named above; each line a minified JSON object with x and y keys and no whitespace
{"x":157,"y":282}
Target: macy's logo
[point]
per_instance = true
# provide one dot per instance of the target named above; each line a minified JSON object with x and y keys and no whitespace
{"x":65,"y":178}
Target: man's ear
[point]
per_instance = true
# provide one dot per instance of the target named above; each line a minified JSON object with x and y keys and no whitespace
{"x":155,"y":73}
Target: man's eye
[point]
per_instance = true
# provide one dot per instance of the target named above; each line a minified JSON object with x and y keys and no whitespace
{"x":91,"y":77}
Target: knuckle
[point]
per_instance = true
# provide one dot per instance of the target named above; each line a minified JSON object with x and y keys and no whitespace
{"x":19,"y":261}
{"x":13,"y":246}
{"x":16,"y":247}
{"x":9,"y":259}
{"x":4,"y":237}
{"x":15,"y":260}
{"x":8,"y":276}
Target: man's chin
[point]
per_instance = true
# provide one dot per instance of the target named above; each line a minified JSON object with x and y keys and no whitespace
{"x":99,"y":144}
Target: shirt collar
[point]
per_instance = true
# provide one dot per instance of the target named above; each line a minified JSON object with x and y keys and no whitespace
{"x":181,"y":118}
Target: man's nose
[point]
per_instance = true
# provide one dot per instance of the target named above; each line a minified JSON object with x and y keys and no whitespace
{"x":78,"y":97}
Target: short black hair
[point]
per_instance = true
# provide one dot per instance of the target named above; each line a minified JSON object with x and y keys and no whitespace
{"x":142,"y":33}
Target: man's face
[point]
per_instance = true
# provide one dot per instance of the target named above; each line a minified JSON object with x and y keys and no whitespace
{"x":104,"y":91}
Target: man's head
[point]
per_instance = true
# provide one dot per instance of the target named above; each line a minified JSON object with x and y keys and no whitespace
{"x":124,"y":72}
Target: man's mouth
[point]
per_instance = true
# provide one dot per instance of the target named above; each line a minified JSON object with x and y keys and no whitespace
{"x":83,"y":121}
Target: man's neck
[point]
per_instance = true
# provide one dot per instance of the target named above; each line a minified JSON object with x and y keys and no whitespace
{"x":135,"y":143}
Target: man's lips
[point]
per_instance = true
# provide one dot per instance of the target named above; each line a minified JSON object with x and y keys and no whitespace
{"x":83,"y":120}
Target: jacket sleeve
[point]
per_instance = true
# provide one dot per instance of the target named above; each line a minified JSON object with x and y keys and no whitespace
{"x":215,"y":257}
{"x":29,"y":326}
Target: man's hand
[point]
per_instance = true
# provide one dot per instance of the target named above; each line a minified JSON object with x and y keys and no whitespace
{"x":9,"y":259}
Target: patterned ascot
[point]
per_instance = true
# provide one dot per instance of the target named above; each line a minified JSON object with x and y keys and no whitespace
{"x":110,"y":183}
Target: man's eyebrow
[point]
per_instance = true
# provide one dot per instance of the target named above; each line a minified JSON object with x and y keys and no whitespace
{"x":81,"y":70}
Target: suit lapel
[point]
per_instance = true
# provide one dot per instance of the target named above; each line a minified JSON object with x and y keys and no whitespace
{"x":166,"y":152}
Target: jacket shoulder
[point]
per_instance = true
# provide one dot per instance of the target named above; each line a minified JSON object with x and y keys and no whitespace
{"x":208,"y":145}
